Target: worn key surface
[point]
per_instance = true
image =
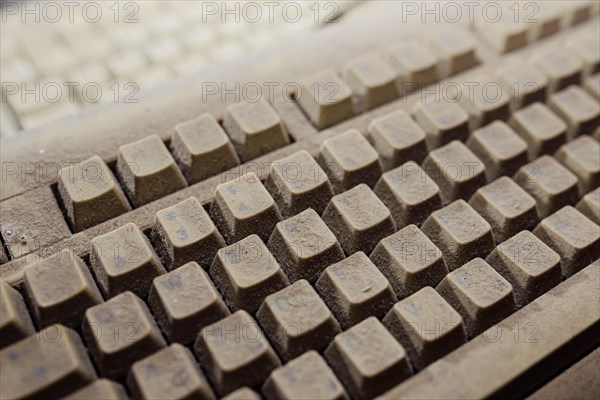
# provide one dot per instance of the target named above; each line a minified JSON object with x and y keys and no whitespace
{"x":589,"y":206}
{"x":246,"y":272}
{"x":100,"y":389}
{"x":578,"y":109}
{"x":443,"y":121}
{"x":455,"y":48}
{"x":426,"y":325}
{"x":525,"y":83}
{"x":15,"y":322}
{"x":297,"y":320}
{"x":543,"y":130}
{"x":184,"y":301}
{"x":372,"y":80}
{"x":582,"y":157}
{"x":485,"y":101}
{"x":51,"y":364}
{"x":561,"y":65}
{"x":415,"y":64}
{"x":367,"y":359}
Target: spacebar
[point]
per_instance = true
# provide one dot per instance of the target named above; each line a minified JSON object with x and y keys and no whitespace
{"x":521,"y":352}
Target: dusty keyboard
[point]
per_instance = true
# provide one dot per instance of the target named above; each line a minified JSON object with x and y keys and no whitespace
{"x":386,"y":239}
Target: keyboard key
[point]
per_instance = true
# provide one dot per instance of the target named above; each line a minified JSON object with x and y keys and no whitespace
{"x":297,"y":182}
{"x":242,"y":394}
{"x":235,"y":353}
{"x":354,"y":289}
{"x":349,"y":159}
{"x":415,"y":64}
{"x":184,"y":301}
{"x":90,"y":194}
{"x":592,"y":85}
{"x":589,"y":206}
{"x":243,"y":207}
{"x":427,"y":326}
{"x":503,"y":32}
{"x":480,"y":295}
{"x":442,"y":121}
{"x":485,"y":101}
{"x":561,"y":66}
{"x":397,"y":139}
{"x":579,"y":110}
{"x":574,"y":237}
{"x":123,"y":260}
{"x":549,"y":183}
{"x":306,"y":377}
{"x":456,"y":50}
{"x":119,"y":333}
{"x":202,"y":149}
{"x":525,"y":83}
{"x":254,"y":128}
{"x":15,"y":322}
{"x":171,"y":373}
{"x":544,"y":17}
{"x":184,"y":233}
{"x":460,"y":233}
{"x":582,"y":157}
{"x":409,"y":260}
{"x":100,"y":389}
{"x":368,"y":360}
{"x":358,"y":219}
{"x":508,"y":208}
{"x":59,"y":289}
{"x":296,"y":320}
{"x":531,"y":267}
{"x":456,"y":170}
{"x":326,"y":99}
{"x":543,"y":130}
{"x":500,"y":149}
{"x":304,"y":246}
{"x":372,"y":81}
{"x":51,"y":364}
{"x":409,"y":193}
{"x":3,"y":256}
{"x":246,"y":273}
{"x":586,"y":45}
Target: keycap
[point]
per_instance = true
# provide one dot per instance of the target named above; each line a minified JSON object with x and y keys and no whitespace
{"x":442,"y":121}
{"x":543,"y":16}
{"x":119,"y":333}
{"x":503,"y":32}
{"x":202,"y":149}
{"x":426,"y":326}
{"x":585,"y":46}
{"x":543,"y":130}
{"x":242,"y":394}
{"x":589,"y":206}
{"x":184,"y":301}
{"x":456,"y":50}
{"x":561,"y":66}
{"x":592,"y":85}
{"x":90,"y":194}
{"x":579,"y":110}
{"x":358,"y":219}
{"x":573,"y":236}
{"x":296,"y":320}
{"x":506,"y":207}
{"x":59,"y":289}
{"x":48,"y":365}
{"x":456,"y":170}
{"x":415,"y":64}
{"x":235,"y":353}
{"x":480,"y":295}
{"x":549,"y":183}
{"x":372,"y":81}
{"x":460,"y":233}
{"x":409,"y":261}
{"x":124,"y":260}
{"x":171,"y":373}
{"x":349,"y":159}
{"x":576,"y":11}
{"x":531,"y":267}
{"x":354,"y":289}
{"x":246,"y":272}
{"x":306,"y":377}
{"x":325,"y":98}
{"x":254,"y":128}
{"x":367,"y":359}
{"x":184,"y":233}
{"x":525,"y":83}
{"x":15,"y":322}
{"x":297,"y":182}
{"x":397,"y":139}
{"x":582,"y":157}
{"x":3,"y":256}
{"x":243,"y":207}
{"x":409,"y":193}
{"x":100,"y":389}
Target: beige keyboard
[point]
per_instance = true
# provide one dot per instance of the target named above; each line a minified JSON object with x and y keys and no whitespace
{"x":417,"y":215}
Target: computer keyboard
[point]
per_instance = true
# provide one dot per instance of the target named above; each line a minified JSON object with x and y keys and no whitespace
{"x":385,"y":239}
